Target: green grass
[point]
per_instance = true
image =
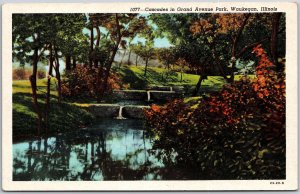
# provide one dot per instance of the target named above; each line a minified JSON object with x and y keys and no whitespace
{"x":134,"y":76}
{"x":63,"y":117}
{"x":23,"y":86}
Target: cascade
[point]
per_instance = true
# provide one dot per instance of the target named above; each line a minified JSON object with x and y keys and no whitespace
{"x":171,"y":88}
{"x":148,"y":96}
{"x":120,"y":113}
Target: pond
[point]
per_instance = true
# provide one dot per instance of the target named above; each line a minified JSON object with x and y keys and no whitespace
{"x":109,"y":150}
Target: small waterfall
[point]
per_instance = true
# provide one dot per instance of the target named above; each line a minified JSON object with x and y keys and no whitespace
{"x":120,"y":113}
{"x":148,"y":96}
{"x":171,"y":88}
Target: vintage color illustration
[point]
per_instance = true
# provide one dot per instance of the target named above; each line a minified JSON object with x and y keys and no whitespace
{"x":149,"y":96}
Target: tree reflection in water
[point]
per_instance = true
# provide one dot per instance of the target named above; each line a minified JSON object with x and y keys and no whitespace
{"x":112,"y":150}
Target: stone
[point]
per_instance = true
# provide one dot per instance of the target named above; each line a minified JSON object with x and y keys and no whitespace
{"x":104,"y":110}
{"x":130,"y":95}
{"x":136,"y":112}
{"x":112,"y":111}
{"x":164,"y":95}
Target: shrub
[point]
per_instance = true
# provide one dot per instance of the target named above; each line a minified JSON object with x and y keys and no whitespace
{"x":82,"y":82}
{"x":238,"y":133}
{"x":24,"y":74}
{"x":41,"y":74}
{"x":21,"y":74}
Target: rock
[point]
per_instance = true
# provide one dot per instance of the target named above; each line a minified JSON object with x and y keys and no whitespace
{"x":178,"y":89}
{"x":104,"y":110}
{"x":164,"y":95}
{"x":160,"y":88}
{"x":130,"y":94}
{"x":136,"y":112}
{"x":112,"y":111}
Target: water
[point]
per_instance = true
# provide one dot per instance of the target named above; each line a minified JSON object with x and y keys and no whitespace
{"x":110,"y":150}
{"x":120,"y":116}
{"x":148,"y":96}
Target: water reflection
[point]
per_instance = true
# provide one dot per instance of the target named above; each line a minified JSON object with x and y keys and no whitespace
{"x":110,"y":150}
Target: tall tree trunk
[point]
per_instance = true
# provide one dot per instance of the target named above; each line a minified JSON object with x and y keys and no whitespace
{"x":91,"y":47}
{"x":274,"y":40}
{"x":146,"y":66}
{"x":68,"y":62}
{"x":99,"y":83}
{"x":168,"y":70}
{"x":181,"y":75}
{"x":96,"y":63}
{"x":96,"y":50}
{"x":98,"y":37}
{"x":74,"y":62}
{"x":234,"y":47}
{"x":32,"y":79}
{"x":48,"y":89}
{"x":129,"y":54}
{"x":218,"y":63}
{"x":58,"y":76}
{"x":136,"y":60}
{"x":103,"y":85}
{"x":198,"y":86}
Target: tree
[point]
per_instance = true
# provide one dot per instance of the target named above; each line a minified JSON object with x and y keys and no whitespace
{"x":191,"y":49}
{"x":69,"y":36}
{"x":136,"y":49}
{"x":237,"y":30}
{"x":167,"y":57}
{"x":119,"y":27}
{"x":30,"y":34}
{"x":183,"y":65}
{"x":212,"y":43}
{"x":274,"y":40}
{"x":147,"y":53}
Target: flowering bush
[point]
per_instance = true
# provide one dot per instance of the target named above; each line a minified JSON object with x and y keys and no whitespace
{"x":24,"y":74}
{"x":238,"y":133}
{"x":82,"y":82}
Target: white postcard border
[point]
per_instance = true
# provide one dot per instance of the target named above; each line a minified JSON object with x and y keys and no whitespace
{"x":291,"y":181}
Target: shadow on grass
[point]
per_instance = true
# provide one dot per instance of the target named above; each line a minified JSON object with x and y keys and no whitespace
{"x":131,"y":78}
{"x":62,"y":117}
{"x":155,"y":77}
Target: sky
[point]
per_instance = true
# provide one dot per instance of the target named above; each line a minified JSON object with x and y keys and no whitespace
{"x":158,"y":42}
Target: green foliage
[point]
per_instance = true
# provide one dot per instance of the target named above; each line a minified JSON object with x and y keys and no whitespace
{"x":63,"y":117}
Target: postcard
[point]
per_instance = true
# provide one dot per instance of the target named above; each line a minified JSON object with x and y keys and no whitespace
{"x":149,"y":96}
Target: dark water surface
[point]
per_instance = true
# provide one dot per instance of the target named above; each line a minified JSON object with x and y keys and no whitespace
{"x":110,"y":150}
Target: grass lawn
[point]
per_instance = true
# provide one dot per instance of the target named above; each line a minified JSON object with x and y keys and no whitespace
{"x":134,"y":77}
{"x":63,"y":117}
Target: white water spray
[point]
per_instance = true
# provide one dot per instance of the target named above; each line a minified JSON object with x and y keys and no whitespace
{"x":120,"y":113}
{"x":171,"y":88}
{"x":148,"y":96}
